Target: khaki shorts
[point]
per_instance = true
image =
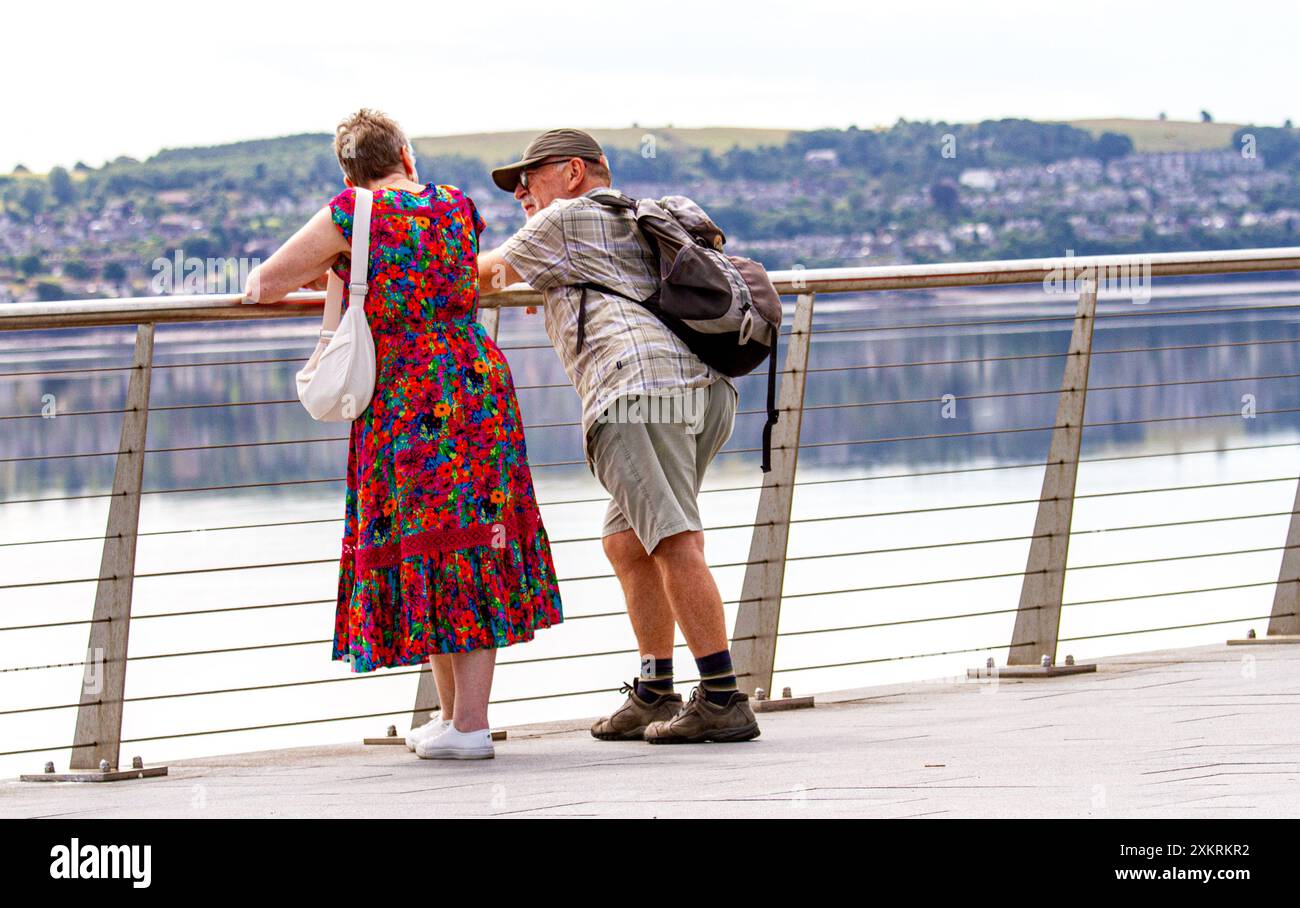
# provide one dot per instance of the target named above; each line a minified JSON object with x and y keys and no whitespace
{"x":650,"y":454}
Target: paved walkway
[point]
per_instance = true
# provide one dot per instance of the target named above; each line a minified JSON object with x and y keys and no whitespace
{"x":1204,"y":732}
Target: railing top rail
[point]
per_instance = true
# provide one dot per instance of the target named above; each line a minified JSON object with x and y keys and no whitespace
{"x":229,"y":307}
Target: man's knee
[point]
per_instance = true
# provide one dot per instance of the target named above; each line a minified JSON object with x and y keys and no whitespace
{"x":623,"y":549}
{"x":686,"y":546}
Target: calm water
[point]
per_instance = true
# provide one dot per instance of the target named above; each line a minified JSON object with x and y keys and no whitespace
{"x":868,"y":477}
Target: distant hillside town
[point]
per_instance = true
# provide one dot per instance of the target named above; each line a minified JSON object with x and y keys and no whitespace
{"x":195,"y":220}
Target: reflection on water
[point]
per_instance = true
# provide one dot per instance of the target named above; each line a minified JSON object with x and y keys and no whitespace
{"x":230,"y":630}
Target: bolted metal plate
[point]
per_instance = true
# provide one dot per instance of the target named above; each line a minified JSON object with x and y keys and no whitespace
{"x":1029,"y":671}
{"x":781,"y":703}
{"x":94,"y":775}
{"x":1263,"y":641}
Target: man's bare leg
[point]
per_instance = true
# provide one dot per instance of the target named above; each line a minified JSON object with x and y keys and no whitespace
{"x":653,"y":698}
{"x":720,"y":712}
{"x":692,"y":592}
{"x":647,"y":605}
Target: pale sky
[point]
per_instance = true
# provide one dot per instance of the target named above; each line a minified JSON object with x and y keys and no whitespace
{"x":90,"y":81}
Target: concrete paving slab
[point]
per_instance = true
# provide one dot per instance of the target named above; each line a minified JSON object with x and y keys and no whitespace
{"x":1180,"y":733}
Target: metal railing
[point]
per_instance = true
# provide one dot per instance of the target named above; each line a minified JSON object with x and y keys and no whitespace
{"x":1036,"y":632}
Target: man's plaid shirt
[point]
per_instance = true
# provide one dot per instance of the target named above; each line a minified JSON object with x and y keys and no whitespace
{"x":626,"y":349}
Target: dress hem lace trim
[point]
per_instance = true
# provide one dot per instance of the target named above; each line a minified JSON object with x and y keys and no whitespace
{"x":432,"y":541}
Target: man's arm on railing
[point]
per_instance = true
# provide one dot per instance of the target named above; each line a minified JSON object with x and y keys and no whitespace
{"x":301,"y":262}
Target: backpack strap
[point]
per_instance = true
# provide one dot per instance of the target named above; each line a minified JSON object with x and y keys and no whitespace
{"x":773,"y":414}
{"x":609,"y":200}
{"x":614,"y":199}
{"x":582,"y":306}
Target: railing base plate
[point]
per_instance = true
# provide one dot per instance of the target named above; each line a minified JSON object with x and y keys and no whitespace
{"x":1030,"y":671}
{"x":1271,"y":638}
{"x":781,"y":703}
{"x":94,"y":775}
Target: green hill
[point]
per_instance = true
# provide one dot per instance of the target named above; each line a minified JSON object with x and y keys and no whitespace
{"x":1147,"y":135}
{"x":1165,"y":135}
{"x":500,"y":147}
{"x":507,"y":146}
{"x":492,"y":146}
{"x":818,"y":198}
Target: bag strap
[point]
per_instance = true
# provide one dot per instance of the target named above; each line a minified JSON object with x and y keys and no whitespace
{"x":582,"y":306}
{"x":334,"y":291}
{"x":615,"y":199}
{"x":773,"y":414}
{"x":356,"y":289}
{"x":360,"y":270}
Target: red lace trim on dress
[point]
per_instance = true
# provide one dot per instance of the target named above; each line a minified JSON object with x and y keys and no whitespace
{"x":431,"y":541}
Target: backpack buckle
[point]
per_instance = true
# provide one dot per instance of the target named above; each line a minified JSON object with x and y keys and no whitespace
{"x":746,"y":326}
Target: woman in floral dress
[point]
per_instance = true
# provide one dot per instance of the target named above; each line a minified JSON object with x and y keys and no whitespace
{"x":444,"y":552}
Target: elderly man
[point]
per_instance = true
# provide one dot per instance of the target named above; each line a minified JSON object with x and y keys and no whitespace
{"x":622,"y":362}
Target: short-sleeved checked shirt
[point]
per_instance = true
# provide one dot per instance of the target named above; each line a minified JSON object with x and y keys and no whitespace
{"x":626,"y":349}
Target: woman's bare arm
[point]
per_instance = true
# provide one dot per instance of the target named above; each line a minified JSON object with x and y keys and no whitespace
{"x":302,"y":261}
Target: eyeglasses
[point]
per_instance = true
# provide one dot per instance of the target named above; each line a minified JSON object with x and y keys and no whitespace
{"x":523,"y":174}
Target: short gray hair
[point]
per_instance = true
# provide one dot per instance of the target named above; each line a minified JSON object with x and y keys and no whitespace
{"x":368,"y":145}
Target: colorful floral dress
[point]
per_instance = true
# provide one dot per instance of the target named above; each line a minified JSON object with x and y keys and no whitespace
{"x":443,"y":546}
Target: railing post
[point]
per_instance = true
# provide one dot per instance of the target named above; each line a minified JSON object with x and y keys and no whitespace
{"x":1038,"y":619}
{"x":99,"y":715}
{"x":426,"y":691}
{"x":490,"y":319}
{"x":1284,"y":620}
{"x":754,"y":640}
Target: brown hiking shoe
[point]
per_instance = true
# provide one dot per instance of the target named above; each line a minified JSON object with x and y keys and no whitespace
{"x":629,"y":720}
{"x":701,"y":720}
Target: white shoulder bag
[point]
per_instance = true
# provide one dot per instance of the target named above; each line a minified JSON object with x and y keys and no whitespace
{"x":339,"y":379}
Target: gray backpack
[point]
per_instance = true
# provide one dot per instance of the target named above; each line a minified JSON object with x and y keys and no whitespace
{"x":723,"y":307}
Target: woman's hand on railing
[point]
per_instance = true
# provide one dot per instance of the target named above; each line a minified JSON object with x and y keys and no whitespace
{"x":253,"y":287}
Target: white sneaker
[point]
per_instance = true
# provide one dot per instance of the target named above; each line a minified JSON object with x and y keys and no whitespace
{"x":453,"y":744}
{"x":432,"y":727}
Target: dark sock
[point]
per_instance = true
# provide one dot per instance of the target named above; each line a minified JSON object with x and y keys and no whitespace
{"x":656,"y":678}
{"x":717,"y":677}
